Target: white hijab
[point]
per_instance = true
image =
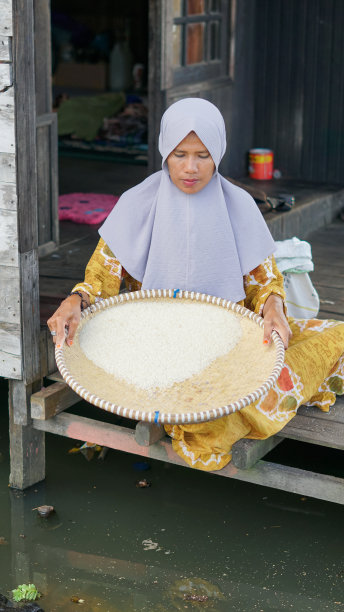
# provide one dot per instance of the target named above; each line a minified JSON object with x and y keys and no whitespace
{"x":204,"y":242}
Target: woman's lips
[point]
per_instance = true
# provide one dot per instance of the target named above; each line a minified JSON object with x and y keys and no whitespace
{"x":189,"y":182}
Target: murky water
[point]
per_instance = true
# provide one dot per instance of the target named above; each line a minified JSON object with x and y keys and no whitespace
{"x":126,"y":549}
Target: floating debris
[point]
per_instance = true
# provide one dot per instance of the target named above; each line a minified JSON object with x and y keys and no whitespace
{"x":143,"y":483}
{"x":45,"y":511}
{"x":200,"y":598}
{"x":3,"y":541}
{"x":77,"y":600}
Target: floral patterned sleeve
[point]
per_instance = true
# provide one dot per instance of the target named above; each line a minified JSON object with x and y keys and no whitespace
{"x":263,"y":281}
{"x":104,"y":274}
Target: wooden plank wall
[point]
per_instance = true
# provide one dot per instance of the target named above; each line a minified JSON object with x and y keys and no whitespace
{"x":299,"y":86}
{"x":10,"y":313}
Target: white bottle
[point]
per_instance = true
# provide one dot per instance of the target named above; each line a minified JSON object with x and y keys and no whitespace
{"x":121,"y":64}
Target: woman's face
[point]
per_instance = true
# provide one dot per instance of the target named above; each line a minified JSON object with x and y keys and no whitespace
{"x":190,"y":165}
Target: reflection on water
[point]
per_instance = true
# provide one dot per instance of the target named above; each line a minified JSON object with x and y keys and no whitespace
{"x":127,"y":549}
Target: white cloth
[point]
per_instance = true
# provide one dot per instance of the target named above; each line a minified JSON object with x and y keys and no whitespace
{"x":203,"y":242}
{"x":294,"y":255}
{"x":294,"y":260}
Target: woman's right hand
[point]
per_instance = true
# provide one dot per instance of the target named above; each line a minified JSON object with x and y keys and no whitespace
{"x":65,"y":320}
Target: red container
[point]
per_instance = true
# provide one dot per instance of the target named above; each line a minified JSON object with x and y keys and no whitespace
{"x":261,"y":164}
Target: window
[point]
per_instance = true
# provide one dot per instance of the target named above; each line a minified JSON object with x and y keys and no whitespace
{"x":200,"y":39}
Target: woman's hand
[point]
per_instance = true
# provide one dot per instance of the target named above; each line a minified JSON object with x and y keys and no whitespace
{"x":66,"y":317}
{"x":275,"y":320}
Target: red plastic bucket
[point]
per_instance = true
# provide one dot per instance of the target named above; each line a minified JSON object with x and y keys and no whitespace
{"x":261,"y":164}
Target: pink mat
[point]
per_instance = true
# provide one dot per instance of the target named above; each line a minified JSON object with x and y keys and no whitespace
{"x":90,"y":208}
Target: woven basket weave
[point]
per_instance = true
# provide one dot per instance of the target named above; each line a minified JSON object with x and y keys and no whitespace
{"x":161,"y":416}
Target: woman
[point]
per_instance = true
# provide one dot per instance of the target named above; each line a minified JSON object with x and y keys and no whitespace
{"x":187,"y":227}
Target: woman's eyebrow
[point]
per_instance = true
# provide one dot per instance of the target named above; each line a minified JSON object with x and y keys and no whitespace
{"x":200,"y":150}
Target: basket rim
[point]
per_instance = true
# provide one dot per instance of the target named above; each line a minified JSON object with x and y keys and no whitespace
{"x":167,"y":417}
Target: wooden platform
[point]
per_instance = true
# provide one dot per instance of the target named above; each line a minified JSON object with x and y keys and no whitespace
{"x":61,"y":270}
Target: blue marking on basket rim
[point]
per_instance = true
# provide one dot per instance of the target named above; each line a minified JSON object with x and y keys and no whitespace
{"x":156,"y":416}
{"x":175,"y":292}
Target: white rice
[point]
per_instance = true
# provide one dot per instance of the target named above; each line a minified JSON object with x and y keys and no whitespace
{"x":156,"y":344}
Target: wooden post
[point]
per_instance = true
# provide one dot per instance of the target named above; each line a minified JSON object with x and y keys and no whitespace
{"x":27,"y":448}
{"x":27,"y":445}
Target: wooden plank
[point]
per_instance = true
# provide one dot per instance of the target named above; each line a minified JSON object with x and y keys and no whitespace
{"x":7,"y":121}
{"x":52,"y":400}
{"x":56,"y":376}
{"x":10,"y":365}
{"x":7,"y":168}
{"x":10,"y":295}
{"x":148,"y":433}
{"x":264,"y":473}
{"x":10,"y":338}
{"x":42,"y":19}
{"x":24,"y":81}
{"x":30,"y":315}
{"x":335,"y":414}
{"x":5,"y":49}
{"x":293,"y":480}
{"x":6,"y":79}
{"x":6,"y":18}
{"x":47,"y":182}
{"x":8,"y":238}
{"x":8,"y":196}
{"x":43,"y":184}
{"x":246,"y":453}
{"x":315,"y":431}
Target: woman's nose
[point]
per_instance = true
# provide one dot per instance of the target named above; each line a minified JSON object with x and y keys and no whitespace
{"x":191,"y":164}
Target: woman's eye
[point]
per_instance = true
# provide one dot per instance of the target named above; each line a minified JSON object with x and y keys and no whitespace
{"x":204,"y":156}
{"x":179,"y":154}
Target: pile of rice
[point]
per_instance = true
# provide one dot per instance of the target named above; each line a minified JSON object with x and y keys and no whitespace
{"x":157,"y":344}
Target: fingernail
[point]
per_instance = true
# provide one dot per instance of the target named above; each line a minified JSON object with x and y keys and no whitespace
{"x":70,"y":342}
{"x":265,"y":341}
{"x":58,"y":346}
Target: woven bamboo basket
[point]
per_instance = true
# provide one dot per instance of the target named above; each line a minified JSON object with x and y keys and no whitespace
{"x":101,"y":389}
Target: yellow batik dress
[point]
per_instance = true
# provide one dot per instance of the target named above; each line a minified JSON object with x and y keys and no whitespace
{"x":313,"y":372}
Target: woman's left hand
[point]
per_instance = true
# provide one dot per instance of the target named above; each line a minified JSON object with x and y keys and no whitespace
{"x":275,"y":320}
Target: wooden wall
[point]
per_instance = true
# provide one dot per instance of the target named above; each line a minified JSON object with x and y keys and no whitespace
{"x":10,"y":317}
{"x":299,"y":89}
{"x":19,"y":303}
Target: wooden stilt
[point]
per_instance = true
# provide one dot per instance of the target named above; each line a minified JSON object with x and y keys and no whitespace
{"x":27,"y":445}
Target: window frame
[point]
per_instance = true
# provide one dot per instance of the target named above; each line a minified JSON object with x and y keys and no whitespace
{"x":209,"y":69}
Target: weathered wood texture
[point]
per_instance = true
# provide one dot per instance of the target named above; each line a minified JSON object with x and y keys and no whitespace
{"x":5,"y":49}
{"x":268,"y":474}
{"x":42,"y":19}
{"x":148,"y":433}
{"x":24,"y":83}
{"x":299,"y":87}
{"x":27,"y":446}
{"x":47,"y":183}
{"x":246,"y":453}
{"x":6,"y":18}
{"x":52,"y":400}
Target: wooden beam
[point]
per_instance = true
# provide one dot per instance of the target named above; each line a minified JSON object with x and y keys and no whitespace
{"x":52,"y":400}
{"x":263,"y":473}
{"x":148,"y":433}
{"x":246,"y":453}
{"x":315,"y":431}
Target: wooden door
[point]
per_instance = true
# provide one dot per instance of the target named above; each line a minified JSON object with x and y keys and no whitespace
{"x":191,"y":54}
